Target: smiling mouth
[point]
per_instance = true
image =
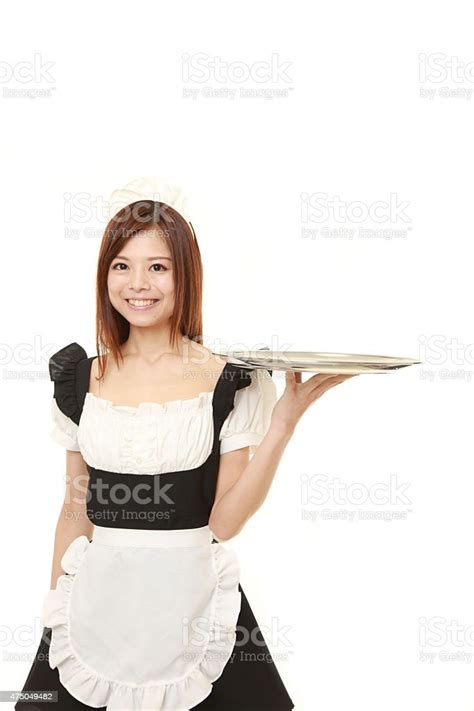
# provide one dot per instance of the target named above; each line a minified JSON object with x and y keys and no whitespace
{"x":141,"y":303}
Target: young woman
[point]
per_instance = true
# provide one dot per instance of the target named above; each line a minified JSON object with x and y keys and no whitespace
{"x":145,"y":610}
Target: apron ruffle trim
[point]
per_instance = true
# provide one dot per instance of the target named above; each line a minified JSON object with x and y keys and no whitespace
{"x":182,"y":694}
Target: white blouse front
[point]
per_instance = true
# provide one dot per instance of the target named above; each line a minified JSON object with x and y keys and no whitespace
{"x":154,"y":438}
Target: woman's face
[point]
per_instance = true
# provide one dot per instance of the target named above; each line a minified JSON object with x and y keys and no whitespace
{"x":142,"y":273}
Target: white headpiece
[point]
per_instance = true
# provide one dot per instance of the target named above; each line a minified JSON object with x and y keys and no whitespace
{"x":150,"y":188}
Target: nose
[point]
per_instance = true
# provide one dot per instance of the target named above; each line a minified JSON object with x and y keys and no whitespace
{"x":138,"y":279}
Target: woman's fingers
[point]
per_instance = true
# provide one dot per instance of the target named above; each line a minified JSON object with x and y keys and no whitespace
{"x":320,"y":379}
{"x":293,"y":376}
{"x":318,"y":384}
{"x":299,"y":396}
{"x":323,"y":385}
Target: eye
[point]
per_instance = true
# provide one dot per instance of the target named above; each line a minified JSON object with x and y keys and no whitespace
{"x":119,"y":264}
{"x":157,"y":264}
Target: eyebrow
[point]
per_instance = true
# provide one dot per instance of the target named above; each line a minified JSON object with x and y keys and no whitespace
{"x":148,"y":259}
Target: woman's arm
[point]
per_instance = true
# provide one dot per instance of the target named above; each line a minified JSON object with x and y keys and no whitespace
{"x":72,"y":520}
{"x":242,"y":484}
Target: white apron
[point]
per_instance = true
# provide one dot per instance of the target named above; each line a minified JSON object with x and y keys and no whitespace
{"x":123,"y":637}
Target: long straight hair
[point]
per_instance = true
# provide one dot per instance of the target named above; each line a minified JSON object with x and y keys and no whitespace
{"x":112,"y":329}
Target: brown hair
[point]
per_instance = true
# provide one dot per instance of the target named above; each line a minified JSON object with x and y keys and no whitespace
{"x":112,"y":329}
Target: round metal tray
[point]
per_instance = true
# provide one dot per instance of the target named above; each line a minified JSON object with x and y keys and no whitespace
{"x":316,"y":362}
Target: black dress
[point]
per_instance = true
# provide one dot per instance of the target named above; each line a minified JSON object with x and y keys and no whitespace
{"x":120,"y":630}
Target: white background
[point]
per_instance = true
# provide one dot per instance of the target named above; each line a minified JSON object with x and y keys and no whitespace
{"x":364,"y":117}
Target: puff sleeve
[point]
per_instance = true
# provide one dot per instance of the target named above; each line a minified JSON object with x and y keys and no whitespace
{"x":64,"y":430}
{"x":65,"y":408}
{"x":248,"y":422}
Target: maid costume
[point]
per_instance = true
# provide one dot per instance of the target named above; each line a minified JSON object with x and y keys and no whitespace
{"x":148,"y":614}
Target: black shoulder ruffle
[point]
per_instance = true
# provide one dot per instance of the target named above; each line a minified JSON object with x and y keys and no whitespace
{"x":62,"y":371}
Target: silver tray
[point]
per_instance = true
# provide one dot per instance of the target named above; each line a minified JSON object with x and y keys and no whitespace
{"x":314,"y":362}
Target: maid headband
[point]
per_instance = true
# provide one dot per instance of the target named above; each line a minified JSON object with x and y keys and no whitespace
{"x":150,"y":188}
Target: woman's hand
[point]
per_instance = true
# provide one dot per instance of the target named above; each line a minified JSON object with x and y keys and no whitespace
{"x":298,"y":396}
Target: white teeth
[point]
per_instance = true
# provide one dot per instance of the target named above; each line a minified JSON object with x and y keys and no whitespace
{"x":141,"y":302}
